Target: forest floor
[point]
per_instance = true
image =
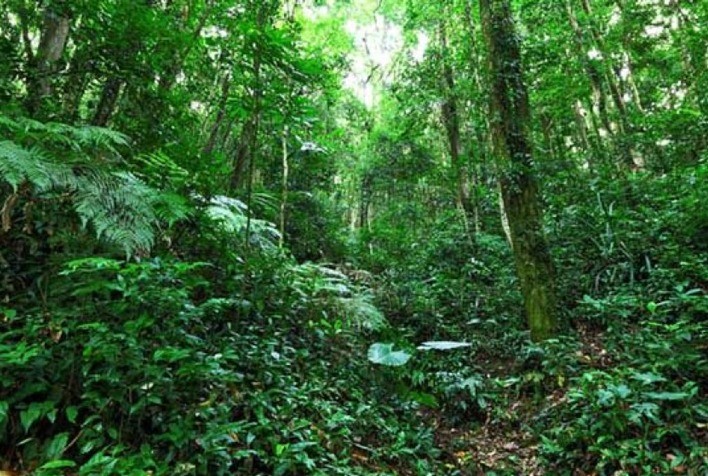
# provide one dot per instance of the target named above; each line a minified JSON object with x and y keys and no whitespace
{"x":509,"y":445}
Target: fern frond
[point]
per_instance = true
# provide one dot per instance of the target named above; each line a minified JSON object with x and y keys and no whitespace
{"x":159,"y":166}
{"x":19,"y":165}
{"x":93,"y":137}
{"x":8,"y":123}
{"x":266,"y":202}
{"x":171,"y":207}
{"x":121,"y":208}
{"x":314,"y":281}
{"x":231,"y":214}
{"x":361,"y":312}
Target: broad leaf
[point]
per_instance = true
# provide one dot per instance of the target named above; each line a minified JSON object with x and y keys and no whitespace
{"x":442,"y":345}
{"x":384,"y":354}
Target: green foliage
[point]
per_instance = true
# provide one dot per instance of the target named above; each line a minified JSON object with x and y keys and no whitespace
{"x":161,"y":373}
{"x":153,"y":320}
{"x":631,"y":418}
{"x":59,"y":163}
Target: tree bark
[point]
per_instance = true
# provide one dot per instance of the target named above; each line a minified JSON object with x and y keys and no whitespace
{"x":77,"y":80}
{"x":451,"y":121}
{"x":511,"y":121}
{"x":107,"y":104}
{"x":52,"y":43}
{"x":599,"y":97}
{"x":479,"y":117}
{"x":611,"y":75}
{"x":168,"y":77}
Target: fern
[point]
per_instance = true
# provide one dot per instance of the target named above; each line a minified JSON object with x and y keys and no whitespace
{"x":19,"y":165}
{"x":361,"y":312}
{"x":232,"y":216}
{"x":333,"y":288}
{"x":157,"y":167}
{"x":121,"y":208}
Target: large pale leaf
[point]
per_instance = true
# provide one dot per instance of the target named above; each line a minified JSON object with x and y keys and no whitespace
{"x":384,"y":354}
{"x":442,"y":345}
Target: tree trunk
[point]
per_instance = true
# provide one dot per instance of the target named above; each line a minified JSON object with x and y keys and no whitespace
{"x":244,"y":151}
{"x":284,"y":191}
{"x":75,"y":85}
{"x":611,"y":75}
{"x":480,"y":119}
{"x":510,"y":117}
{"x":220,"y":116}
{"x":55,"y":32}
{"x":168,"y":77}
{"x":248,"y":141}
{"x":107,"y":104}
{"x":451,"y":121}
{"x":599,"y":97}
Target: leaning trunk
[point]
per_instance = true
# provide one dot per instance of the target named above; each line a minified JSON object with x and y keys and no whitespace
{"x":512,"y":146}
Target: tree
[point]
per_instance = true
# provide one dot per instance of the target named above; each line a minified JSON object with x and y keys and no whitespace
{"x":55,"y":32}
{"x":511,"y":121}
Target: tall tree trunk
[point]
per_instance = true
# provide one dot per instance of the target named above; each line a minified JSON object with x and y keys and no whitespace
{"x":244,"y":150}
{"x":52,"y":43}
{"x":611,"y":75}
{"x":284,"y":191}
{"x":599,"y":97}
{"x":77,"y":80}
{"x":511,"y":123}
{"x":480,"y":119}
{"x":248,"y":141}
{"x":168,"y":77}
{"x":581,"y":125}
{"x":451,"y":121}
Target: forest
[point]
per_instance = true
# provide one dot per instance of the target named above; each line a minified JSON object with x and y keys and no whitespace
{"x":353,"y":237}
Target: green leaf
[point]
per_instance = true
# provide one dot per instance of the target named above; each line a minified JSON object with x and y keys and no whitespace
{"x":4,"y":412}
{"x":648,"y":378}
{"x":384,"y":354}
{"x":31,"y":415}
{"x":60,"y":463}
{"x":671,"y":396}
{"x":10,"y":314}
{"x":621,"y":391}
{"x":56,"y":446}
{"x":280,"y":449}
{"x":71,"y":414}
{"x":425,"y":399}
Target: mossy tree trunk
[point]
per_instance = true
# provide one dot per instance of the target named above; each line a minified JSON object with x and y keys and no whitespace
{"x":510,"y":120}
